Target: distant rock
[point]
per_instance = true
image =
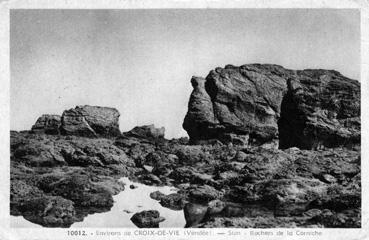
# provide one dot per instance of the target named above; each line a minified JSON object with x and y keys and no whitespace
{"x":132,"y":186}
{"x":90,"y":121}
{"x":48,"y":124}
{"x":147,"y":219}
{"x":259,"y":104}
{"x":146,"y":131}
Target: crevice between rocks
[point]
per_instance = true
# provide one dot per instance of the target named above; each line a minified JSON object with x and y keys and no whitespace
{"x":291,"y":124}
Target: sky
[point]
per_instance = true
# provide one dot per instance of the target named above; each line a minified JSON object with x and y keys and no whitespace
{"x":141,"y":61}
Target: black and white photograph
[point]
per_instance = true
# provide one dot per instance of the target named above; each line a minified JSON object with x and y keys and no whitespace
{"x":240,"y":118}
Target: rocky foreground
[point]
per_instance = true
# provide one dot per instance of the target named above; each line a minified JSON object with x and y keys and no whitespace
{"x":268,"y":147}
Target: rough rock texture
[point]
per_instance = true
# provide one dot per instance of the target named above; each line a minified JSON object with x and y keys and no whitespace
{"x":90,"y":121}
{"x":48,"y":124}
{"x":256,"y":104}
{"x":222,"y":185}
{"x":244,"y":101}
{"x":58,"y":180}
{"x":321,"y":108}
{"x":147,"y":219}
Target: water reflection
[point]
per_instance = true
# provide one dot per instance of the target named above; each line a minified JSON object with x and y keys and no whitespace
{"x":126,"y":203}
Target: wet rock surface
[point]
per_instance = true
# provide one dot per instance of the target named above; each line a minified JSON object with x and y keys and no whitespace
{"x":57,"y":180}
{"x":147,"y":219}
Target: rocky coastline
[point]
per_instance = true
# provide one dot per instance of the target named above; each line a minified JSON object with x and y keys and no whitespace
{"x":268,"y":147}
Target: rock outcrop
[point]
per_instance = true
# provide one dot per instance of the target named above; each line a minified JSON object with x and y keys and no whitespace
{"x":218,"y":185}
{"x":90,"y":121}
{"x":48,"y":124}
{"x":257,"y":104}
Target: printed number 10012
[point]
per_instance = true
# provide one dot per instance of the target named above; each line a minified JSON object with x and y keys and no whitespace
{"x":77,"y":233}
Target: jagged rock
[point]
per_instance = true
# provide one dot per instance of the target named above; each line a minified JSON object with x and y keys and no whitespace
{"x":146,"y":131}
{"x":147,"y":219}
{"x":90,"y":121}
{"x":48,"y":124}
{"x":258,"y":104}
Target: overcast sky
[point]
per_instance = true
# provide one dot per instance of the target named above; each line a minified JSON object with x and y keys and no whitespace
{"x":141,"y":61}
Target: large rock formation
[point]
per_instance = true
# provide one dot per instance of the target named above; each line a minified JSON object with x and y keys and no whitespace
{"x":257,"y":104}
{"x":48,"y":124}
{"x":90,"y":121}
{"x":321,"y":108}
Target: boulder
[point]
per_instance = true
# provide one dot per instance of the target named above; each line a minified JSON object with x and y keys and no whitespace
{"x":204,"y":194}
{"x":80,"y":189}
{"x":50,"y":211}
{"x":259,"y":104}
{"x":35,"y":206}
{"x":48,"y":124}
{"x":157,"y":195}
{"x":191,"y":154}
{"x":200,"y":117}
{"x":236,"y":100}
{"x":90,"y":121}
{"x":194,"y":214}
{"x":147,"y":219}
{"x":174,"y":201}
{"x":146,"y":131}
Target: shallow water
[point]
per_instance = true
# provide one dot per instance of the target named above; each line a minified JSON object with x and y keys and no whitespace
{"x":132,"y":200}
